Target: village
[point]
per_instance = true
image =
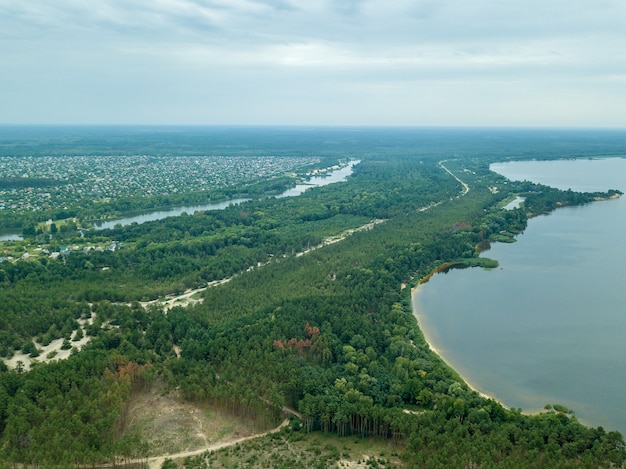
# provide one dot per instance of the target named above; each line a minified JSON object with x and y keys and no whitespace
{"x":47,"y":183}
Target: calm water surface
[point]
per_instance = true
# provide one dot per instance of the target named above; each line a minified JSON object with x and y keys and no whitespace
{"x":338,"y":175}
{"x":548,"y":325}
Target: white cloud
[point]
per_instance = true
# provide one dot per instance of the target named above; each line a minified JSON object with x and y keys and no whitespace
{"x":387,"y":57}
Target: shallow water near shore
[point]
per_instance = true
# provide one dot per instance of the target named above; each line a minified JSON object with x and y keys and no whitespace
{"x":548,"y":325}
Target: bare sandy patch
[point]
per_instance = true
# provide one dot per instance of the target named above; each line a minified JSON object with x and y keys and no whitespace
{"x":170,"y":425}
{"x":50,"y":352}
{"x":348,"y":464}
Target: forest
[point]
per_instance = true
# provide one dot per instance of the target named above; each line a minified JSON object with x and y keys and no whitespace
{"x":323,"y":328}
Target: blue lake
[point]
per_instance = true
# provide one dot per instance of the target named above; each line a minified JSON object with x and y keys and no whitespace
{"x":549,"y":324}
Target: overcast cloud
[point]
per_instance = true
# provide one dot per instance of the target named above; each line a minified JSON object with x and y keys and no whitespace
{"x":314,"y":62}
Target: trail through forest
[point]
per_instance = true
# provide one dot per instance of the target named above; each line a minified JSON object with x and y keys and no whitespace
{"x":187,"y":298}
{"x":156,"y":462}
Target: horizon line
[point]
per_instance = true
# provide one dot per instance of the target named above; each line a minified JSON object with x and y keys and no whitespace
{"x":323,"y":126}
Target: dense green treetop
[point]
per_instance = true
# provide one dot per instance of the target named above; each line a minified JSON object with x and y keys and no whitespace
{"x":325,"y":328}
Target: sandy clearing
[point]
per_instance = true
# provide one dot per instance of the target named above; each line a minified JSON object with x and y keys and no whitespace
{"x":156,"y":462}
{"x":50,"y":352}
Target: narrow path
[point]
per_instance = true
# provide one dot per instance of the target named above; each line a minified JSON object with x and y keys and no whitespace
{"x":290,"y":411}
{"x":466,"y":188}
{"x":185,"y":299}
{"x":155,"y":462}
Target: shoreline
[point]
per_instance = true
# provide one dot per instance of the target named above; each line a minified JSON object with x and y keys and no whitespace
{"x":437,"y":351}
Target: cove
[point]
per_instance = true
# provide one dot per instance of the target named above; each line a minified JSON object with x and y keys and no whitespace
{"x":549,"y":324}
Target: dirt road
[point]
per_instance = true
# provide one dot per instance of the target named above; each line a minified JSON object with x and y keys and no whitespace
{"x":155,"y":462}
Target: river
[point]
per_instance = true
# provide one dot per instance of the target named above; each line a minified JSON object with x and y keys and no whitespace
{"x":337,"y":175}
{"x":548,"y":325}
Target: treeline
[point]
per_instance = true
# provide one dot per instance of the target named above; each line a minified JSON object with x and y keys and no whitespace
{"x":330,"y":333}
{"x":171,"y":255}
{"x":544,"y":199}
{"x":23,"y":182}
{"x":67,"y":413}
{"x":369,"y":360}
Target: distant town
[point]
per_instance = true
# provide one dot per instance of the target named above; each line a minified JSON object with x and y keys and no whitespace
{"x":45,"y":183}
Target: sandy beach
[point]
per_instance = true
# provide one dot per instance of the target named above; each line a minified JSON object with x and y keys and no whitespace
{"x":440,"y":352}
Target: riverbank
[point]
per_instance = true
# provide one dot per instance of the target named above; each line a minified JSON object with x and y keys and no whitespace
{"x":483,"y":262}
{"x":428,"y":335}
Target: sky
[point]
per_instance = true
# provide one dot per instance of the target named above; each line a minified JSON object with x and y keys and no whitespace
{"x":537,"y":63}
